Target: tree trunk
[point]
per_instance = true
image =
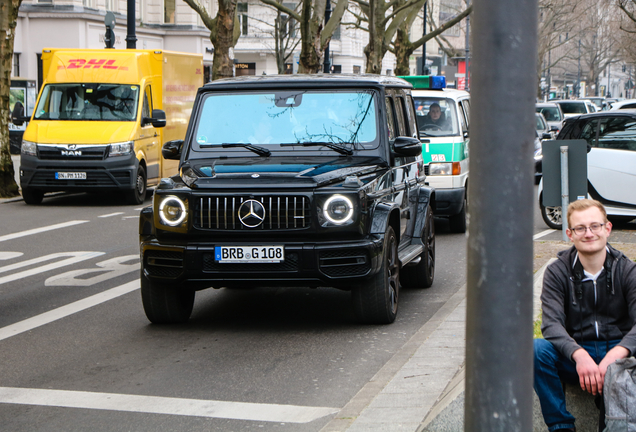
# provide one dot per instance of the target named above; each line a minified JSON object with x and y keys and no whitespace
{"x":8,"y":18}
{"x":403,"y":52}
{"x":376,"y":48}
{"x":310,"y":29}
{"x":223,"y":40}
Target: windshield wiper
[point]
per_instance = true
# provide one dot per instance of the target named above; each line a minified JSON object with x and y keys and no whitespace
{"x":333,"y":146}
{"x":261,"y":151}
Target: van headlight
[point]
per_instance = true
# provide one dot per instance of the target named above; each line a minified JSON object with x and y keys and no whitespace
{"x":120,"y":149}
{"x":444,"y":168}
{"x":29,"y":148}
{"x":172,"y":210}
{"x":338,"y":209}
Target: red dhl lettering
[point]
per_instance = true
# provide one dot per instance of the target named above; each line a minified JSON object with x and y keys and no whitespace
{"x":92,"y":63}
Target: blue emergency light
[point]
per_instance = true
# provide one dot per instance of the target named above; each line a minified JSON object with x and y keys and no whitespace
{"x":426,"y":82}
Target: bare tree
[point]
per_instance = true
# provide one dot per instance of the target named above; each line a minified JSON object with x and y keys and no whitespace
{"x":284,"y":34}
{"x":314,"y":36}
{"x":402,"y":46}
{"x":224,"y":33}
{"x":8,"y":20}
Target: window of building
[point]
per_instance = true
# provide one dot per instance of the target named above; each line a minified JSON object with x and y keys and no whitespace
{"x":357,"y":69}
{"x":111,"y":5}
{"x":448,"y":9}
{"x":289,"y":26}
{"x":241,"y":11}
{"x":87,"y":3}
{"x":169,"y":11}
{"x":336,"y":34}
{"x":16,"y":65}
{"x":45,"y":1}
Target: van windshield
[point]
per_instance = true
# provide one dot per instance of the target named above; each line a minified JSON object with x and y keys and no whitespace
{"x":88,"y":101}
{"x":436,"y":116}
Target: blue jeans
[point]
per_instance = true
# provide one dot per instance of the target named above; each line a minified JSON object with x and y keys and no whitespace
{"x":550,"y":368}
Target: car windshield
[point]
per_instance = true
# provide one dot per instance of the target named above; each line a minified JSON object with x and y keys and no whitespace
{"x":436,"y":116}
{"x":573,"y":107}
{"x":288,"y":117}
{"x":88,"y":101}
{"x":551,"y":113}
{"x":540,"y":123}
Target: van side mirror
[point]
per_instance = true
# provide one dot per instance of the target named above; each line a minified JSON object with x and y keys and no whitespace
{"x":17,"y":115}
{"x":172,"y":150}
{"x":407,"y":146}
{"x":158,"y":119}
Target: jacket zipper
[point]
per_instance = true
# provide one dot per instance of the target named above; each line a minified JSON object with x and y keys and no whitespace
{"x":595,"y":307}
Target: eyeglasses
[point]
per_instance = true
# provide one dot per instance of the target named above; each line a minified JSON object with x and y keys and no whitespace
{"x":595,"y":228}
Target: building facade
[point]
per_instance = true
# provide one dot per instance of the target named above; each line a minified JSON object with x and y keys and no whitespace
{"x":173,"y":25}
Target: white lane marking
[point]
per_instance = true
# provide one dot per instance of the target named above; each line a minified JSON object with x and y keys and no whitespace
{"x":64,"y":311}
{"x":75,"y":257}
{"x":131,"y":217}
{"x":41,"y":229}
{"x":110,"y":215}
{"x":109,"y":269}
{"x":543,"y":233}
{"x":164,"y":405}
{"x":10,"y":255}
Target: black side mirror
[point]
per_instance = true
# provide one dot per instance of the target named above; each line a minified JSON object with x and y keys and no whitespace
{"x":17,"y":115}
{"x":172,"y":150}
{"x":407,"y":146}
{"x":158,"y":119}
{"x":465,"y":134}
{"x":554,"y":128}
{"x":546,"y":136}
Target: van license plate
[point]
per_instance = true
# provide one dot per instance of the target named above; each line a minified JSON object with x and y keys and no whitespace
{"x":249,"y":254}
{"x":70,"y":176}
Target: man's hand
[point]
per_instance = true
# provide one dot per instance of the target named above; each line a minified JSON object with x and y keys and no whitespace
{"x":590,"y":376}
{"x":616,"y":353}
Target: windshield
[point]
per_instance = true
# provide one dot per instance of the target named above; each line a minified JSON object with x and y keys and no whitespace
{"x":436,"y":116}
{"x":573,"y":107}
{"x":550,"y":113}
{"x":286,"y":117}
{"x":88,"y":101}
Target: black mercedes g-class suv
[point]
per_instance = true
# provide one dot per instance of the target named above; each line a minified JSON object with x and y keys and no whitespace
{"x":292,"y":180}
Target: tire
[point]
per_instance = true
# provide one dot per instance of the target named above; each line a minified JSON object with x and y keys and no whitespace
{"x":458,"y":222}
{"x":165,"y":304}
{"x":32,"y":196}
{"x":551,"y":215}
{"x":422,"y":274}
{"x":377,"y":301}
{"x":138,"y":194}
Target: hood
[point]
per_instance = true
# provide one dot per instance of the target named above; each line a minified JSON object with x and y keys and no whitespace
{"x":291,"y":171}
{"x":79,"y":132}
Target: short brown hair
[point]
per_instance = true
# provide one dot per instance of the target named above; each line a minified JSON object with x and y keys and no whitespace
{"x":584,"y":204}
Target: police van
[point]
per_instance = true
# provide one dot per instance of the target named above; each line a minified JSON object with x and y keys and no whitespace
{"x":443,"y":118}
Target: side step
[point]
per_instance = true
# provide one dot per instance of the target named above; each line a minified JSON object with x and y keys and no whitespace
{"x":410,"y":254}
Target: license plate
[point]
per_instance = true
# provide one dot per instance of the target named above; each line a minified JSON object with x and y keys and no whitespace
{"x":70,"y":176}
{"x":249,"y":254}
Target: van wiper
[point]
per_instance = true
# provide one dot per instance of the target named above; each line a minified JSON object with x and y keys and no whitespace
{"x":333,"y":146}
{"x":261,"y":151}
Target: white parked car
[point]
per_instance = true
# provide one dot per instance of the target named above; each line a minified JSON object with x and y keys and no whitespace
{"x":611,"y":163}
{"x":575,"y":107}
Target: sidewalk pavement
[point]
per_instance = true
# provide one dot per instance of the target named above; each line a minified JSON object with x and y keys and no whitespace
{"x":421,"y":389}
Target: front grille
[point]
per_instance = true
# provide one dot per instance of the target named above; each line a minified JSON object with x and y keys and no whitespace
{"x":94,"y":178}
{"x":289,"y":265}
{"x":81,"y":152}
{"x":341,"y":263}
{"x":167,"y":264}
{"x":281,"y":212}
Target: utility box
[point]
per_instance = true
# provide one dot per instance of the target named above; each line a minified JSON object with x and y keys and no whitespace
{"x":551,"y":167}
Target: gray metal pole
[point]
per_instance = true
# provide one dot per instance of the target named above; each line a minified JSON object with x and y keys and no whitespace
{"x":131,"y":37}
{"x":565,"y":191}
{"x":501,"y":196}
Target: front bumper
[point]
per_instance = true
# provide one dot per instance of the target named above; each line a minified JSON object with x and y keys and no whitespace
{"x":449,"y":202}
{"x":115,"y":173}
{"x":334,"y":264}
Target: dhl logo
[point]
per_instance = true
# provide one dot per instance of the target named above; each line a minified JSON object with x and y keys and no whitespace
{"x":92,"y":63}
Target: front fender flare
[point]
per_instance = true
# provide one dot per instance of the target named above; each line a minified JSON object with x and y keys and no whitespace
{"x":382,"y":217}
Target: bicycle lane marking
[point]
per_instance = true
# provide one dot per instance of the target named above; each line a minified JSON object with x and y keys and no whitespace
{"x":67,"y":310}
{"x":41,"y":229}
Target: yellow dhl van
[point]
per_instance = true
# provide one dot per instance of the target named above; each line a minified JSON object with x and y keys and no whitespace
{"x":101,"y":120}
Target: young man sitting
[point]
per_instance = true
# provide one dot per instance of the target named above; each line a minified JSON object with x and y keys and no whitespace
{"x":589,"y":313}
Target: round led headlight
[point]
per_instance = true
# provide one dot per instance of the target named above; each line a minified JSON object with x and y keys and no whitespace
{"x":172,"y":210}
{"x":338,"y":209}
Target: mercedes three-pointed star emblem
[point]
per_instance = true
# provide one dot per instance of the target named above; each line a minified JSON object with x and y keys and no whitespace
{"x":251,"y":213}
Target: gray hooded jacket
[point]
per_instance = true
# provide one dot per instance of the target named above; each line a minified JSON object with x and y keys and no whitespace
{"x":577,"y":309}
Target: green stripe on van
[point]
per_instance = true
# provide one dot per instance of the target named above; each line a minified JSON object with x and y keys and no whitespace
{"x":440,"y":152}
